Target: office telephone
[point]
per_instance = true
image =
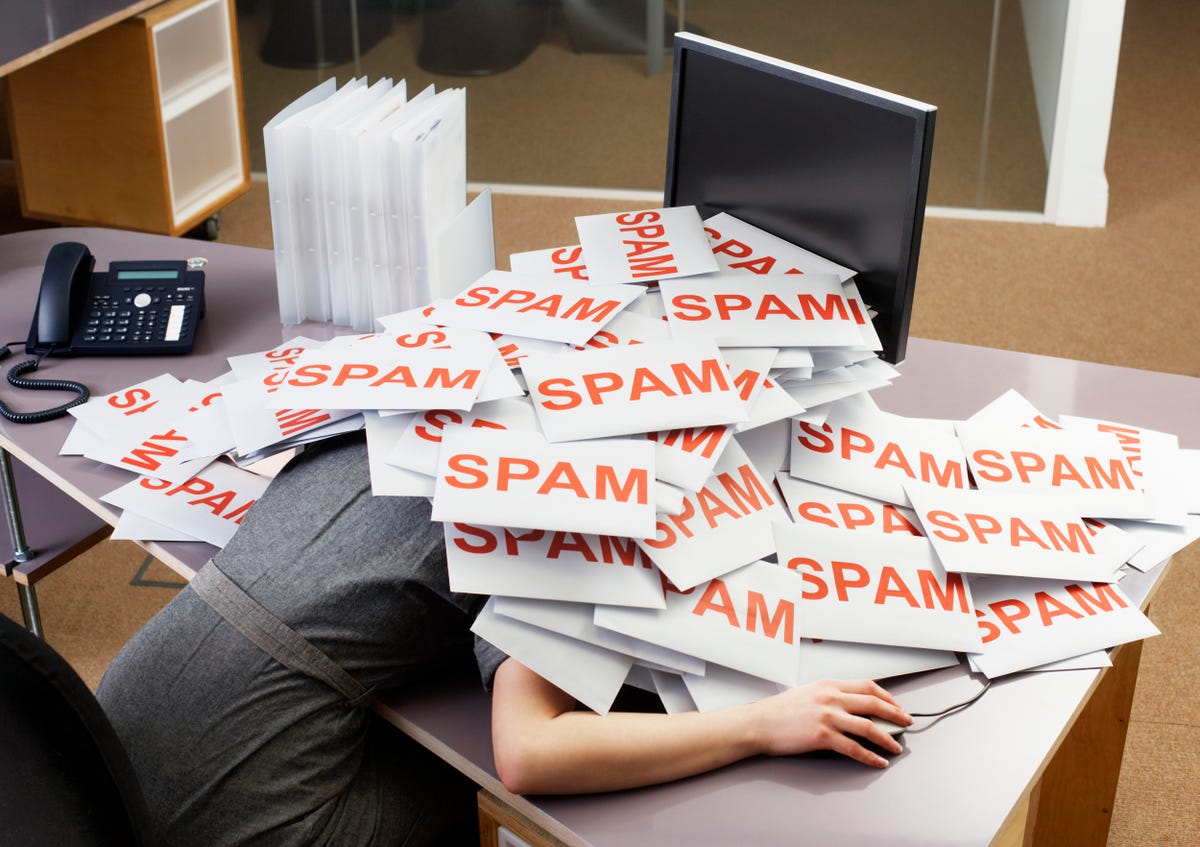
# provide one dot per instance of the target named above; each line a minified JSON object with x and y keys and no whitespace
{"x":134,"y":309}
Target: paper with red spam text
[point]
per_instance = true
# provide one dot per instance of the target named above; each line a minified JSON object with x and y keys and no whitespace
{"x":417,"y":449}
{"x":870,"y":336}
{"x":645,"y":245}
{"x":873,"y":453}
{"x":686,"y":457}
{"x":749,"y":368}
{"x":558,"y":262}
{"x":807,"y":502}
{"x":628,"y":327}
{"x":277,"y":359}
{"x":748,"y":620}
{"x":108,"y":414}
{"x":722,"y":526}
{"x":1154,"y":460}
{"x":510,"y":478}
{"x":632,"y":389}
{"x":575,"y":620}
{"x":1026,"y":623}
{"x":1017,"y":534}
{"x":1088,"y":471}
{"x":389,"y":480}
{"x":592,"y":675}
{"x":535,"y":307}
{"x":498,"y":381}
{"x":255,"y":426}
{"x":153,"y":442}
{"x":550,"y":565}
{"x":877,"y":589}
{"x":809,"y":310}
{"x":739,"y":246}
{"x":210,"y":506}
{"x":378,"y":374}
{"x":207,"y":423}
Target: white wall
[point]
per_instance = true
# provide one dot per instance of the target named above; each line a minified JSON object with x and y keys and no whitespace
{"x":1045,"y":34}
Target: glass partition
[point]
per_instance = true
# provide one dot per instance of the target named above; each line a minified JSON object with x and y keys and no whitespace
{"x":563,"y":93}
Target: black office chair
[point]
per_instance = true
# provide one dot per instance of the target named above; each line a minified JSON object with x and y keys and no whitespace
{"x":65,"y":779}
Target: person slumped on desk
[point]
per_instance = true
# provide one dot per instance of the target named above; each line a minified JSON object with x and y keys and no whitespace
{"x":245,"y":703}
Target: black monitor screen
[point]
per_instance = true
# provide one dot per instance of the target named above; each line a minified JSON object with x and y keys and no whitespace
{"x":829,"y":165}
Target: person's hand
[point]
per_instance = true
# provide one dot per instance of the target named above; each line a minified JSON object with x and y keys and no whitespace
{"x":818,"y":716}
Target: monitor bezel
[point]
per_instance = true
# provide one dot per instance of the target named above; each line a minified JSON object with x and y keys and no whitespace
{"x":893,"y":317}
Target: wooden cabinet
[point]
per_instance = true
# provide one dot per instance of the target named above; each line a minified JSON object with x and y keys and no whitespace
{"x":139,"y":126}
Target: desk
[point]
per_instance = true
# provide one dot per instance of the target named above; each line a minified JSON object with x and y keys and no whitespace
{"x":1007,"y":784}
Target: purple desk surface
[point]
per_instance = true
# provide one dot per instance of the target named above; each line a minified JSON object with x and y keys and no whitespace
{"x":242,"y":316}
{"x":957,"y":781}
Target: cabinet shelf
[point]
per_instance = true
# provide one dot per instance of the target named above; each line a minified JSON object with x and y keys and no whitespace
{"x":156,"y":139}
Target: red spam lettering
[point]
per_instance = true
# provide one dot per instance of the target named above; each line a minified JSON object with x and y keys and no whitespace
{"x":691,"y":440}
{"x":560,"y":393}
{"x":1059,"y":471}
{"x":731,"y":501}
{"x":697,"y":307}
{"x":845,"y":577}
{"x":569,"y":261}
{"x":1079,"y":603}
{"x":1071,"y":537}
{"x":779,"y":623}
{"x":856,"y":516}
{"x":146,"y":457}
{"x":198,"y":491}
{"x":308,"y":376}
{"x":128,"y":400}
{"x":471,"y":472}
{"x":439,"y":419}
{"x":292,"y":421}
{"x":851,"y":443}
{"x":579,"y":308}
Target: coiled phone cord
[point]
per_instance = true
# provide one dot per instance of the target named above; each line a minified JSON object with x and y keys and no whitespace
{"x":17,"y":378}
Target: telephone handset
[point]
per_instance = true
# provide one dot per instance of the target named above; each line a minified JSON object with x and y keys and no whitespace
{"x":134,"y":309}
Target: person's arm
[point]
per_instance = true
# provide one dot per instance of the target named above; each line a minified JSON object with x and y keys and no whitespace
{"x":543,"y":745}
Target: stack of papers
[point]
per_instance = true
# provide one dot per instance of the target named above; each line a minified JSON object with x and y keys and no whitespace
{"x":364,"y":182}
{"x":657,"y":451}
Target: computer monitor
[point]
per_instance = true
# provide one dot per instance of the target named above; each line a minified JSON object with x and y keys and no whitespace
{"x":835,"y":167}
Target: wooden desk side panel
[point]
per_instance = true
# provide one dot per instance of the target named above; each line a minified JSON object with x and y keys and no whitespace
{"x":87,"y":137}
{"x":1073,"y":803}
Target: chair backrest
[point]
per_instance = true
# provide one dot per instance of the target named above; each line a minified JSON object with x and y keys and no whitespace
{"x":65,"y":778}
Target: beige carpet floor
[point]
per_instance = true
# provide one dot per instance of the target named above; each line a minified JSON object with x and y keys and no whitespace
{"x":1125,"y":294}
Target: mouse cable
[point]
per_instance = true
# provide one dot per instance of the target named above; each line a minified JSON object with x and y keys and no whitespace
{"x":956,"y":706}
{"x":17,"y":378}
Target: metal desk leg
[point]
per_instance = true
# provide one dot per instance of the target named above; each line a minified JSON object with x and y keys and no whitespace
{"x":21,"y":551}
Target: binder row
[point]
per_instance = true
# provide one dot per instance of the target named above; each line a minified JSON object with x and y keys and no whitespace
{"x":361,"y":180}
